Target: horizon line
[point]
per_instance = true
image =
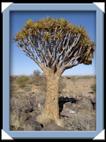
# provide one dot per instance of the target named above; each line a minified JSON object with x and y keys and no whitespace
{"x":61,"y":75}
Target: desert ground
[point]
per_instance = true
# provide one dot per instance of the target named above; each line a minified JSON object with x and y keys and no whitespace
{"x":77,"y":103}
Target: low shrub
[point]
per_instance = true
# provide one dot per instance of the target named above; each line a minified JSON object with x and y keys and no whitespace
{"x":22,"y":81}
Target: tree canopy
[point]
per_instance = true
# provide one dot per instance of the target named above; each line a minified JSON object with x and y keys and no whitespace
{"x":55,"y":43}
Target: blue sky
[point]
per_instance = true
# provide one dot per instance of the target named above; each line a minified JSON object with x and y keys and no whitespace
{"x":21,"y":64}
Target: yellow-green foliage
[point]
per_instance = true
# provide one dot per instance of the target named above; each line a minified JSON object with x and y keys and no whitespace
{"x":49,"y":25}
{"x":51,"y":30}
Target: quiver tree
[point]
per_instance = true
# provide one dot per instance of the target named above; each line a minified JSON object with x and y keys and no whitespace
{"x":54,"y":45}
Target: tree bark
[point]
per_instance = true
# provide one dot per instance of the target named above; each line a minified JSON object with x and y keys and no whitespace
{"x":51,"y":107}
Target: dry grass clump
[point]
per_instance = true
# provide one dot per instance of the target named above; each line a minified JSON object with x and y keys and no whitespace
{"x":22,"y":80}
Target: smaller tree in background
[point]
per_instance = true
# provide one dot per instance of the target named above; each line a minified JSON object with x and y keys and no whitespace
{"x":36,"y":72}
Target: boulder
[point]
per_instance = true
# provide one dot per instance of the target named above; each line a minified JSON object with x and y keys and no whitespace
{"x":64,"y":100}
{"x":32,"y":124}
{"x":52,"y":126}
{"x":67,"y":110}
{"x":85,"y":103}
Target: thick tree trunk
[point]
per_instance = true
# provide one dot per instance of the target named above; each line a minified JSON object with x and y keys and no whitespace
{"x":51,"y":107}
